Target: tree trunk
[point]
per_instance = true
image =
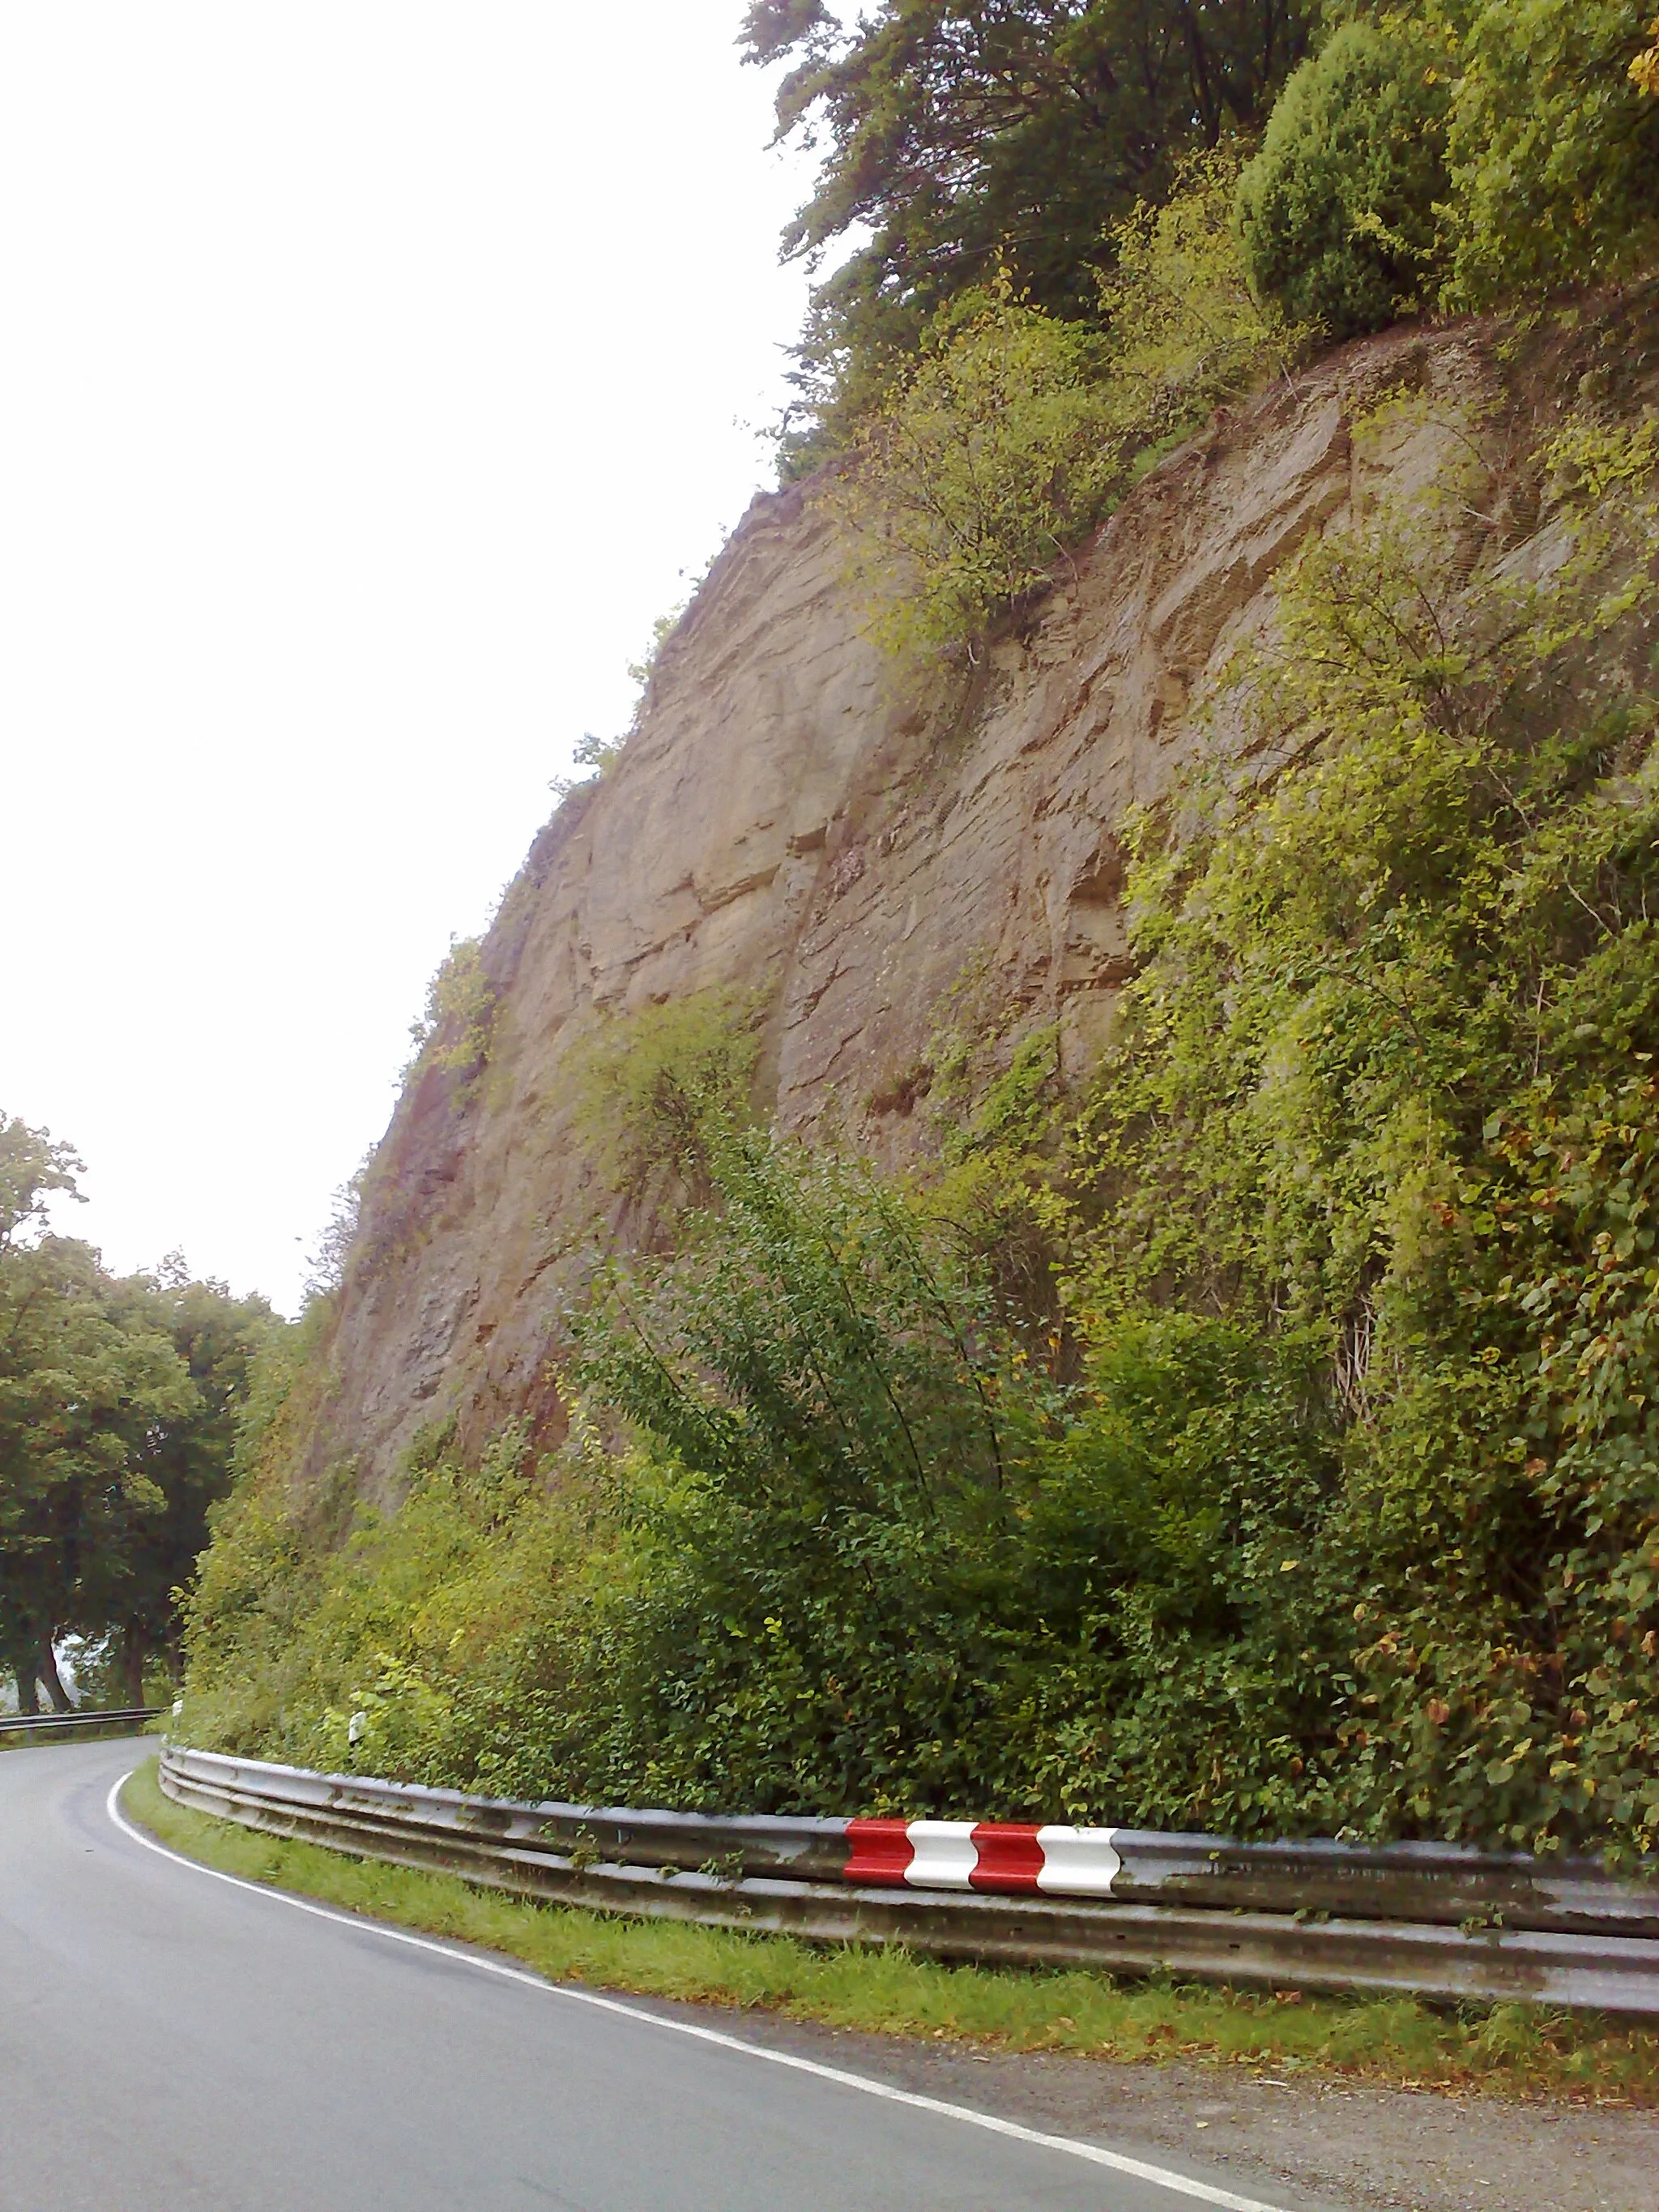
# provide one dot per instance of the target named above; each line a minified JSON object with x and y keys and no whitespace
{"x":51,"y":1681}
{"x":28,"y":1689}
{"x":133,"y":1655}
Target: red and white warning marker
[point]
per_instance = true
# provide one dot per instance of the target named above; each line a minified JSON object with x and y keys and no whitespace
{"x":1005,"y":1856}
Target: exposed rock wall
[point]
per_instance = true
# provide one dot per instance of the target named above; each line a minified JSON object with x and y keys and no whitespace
{"x":789,"y":818}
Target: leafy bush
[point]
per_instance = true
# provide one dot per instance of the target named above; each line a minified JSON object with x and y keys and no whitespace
{"x":993,"y":456}
{"x":1337,"y":211}
{"x":457,"y":1025}
{"x":1183,"y":330}
{"x":1552,"y":149}
{"x":1074,"y":1641}
{"x":1015,"y":431}
{"x":1467,"y":154}
{"x":835,"y":1425}
{"x":649,"y":1084}
{"x":325,"y":1632}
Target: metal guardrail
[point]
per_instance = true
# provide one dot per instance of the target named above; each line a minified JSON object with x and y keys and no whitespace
{"x":82,"y":1724}
{"x":1560,"y":1934}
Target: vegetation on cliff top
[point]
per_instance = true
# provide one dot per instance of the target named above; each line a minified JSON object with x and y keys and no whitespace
{"x":1462,"y":153}
{"x":992,"y":399}
{"x":1013,"y":432}
{"x":960,"y":137}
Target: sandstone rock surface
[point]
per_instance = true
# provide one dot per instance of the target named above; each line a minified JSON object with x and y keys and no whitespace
{"x":790,"y":817}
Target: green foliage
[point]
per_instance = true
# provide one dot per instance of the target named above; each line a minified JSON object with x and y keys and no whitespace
{"x":1552,"y":149}
{"x":1373,"y":868}
{"x":813,"y":1336}
{"x":962,"y":135}
{"x":260,"y":1576}
{"x":993,"y":457}
{"x":880,"y":1557}
{"x":457,"y":1026}
{"x":662,"y":629}
{"x":1464,"y":153}
{"x":647,"y":1085}
{"x":836,"y":1429}
{"x":1017,"y":1107}
{"x":85,"y":1377}
{"x":1015,"y":431}
{"x":31,"y":1169}
{"x":325,"y":1267}
{"x":131,"y":1580}
{"x":1183,"y":331}
{"x":598,"y":756}
{"x":115,"y":1410}
{"x":1471,"y":153}
{"x":1337,"y":212}
{"x":1382,"y":1079}
{"x":863,"y":1556}
{"x":344,"y":1637}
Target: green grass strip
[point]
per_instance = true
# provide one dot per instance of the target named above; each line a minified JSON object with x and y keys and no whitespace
{"x":1509,"y":2049}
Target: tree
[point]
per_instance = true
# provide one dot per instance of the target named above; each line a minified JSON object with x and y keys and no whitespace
{"x":84,"y":1379}
{"x":158,"y":1528}
{"x":32,"y":1167}
{"x":117,"y":1401}
{"x":962,"y":136}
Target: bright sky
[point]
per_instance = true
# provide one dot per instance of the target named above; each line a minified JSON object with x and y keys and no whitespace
{"x":374,"y":373}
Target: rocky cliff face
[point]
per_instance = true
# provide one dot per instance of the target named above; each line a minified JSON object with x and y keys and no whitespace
{"x":793,"y":816}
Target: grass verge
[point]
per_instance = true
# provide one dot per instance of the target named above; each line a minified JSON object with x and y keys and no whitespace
{"x":1510,"y":2048}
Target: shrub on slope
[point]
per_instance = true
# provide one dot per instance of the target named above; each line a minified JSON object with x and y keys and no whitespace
{"x":1337,"y":211}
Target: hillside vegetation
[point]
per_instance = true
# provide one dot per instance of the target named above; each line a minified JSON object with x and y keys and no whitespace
{"x":1261,"y":1432}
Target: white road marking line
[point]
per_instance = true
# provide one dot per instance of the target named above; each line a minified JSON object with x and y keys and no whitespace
{"x":1180,"y":2185}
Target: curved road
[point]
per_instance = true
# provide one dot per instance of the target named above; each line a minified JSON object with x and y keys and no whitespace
{"x":170,"y":2042}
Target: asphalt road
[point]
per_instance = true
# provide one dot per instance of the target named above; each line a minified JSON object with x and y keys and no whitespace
{"x":169,"y":2041}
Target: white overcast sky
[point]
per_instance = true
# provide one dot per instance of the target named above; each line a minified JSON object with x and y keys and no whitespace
{"x":372,"y":373}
